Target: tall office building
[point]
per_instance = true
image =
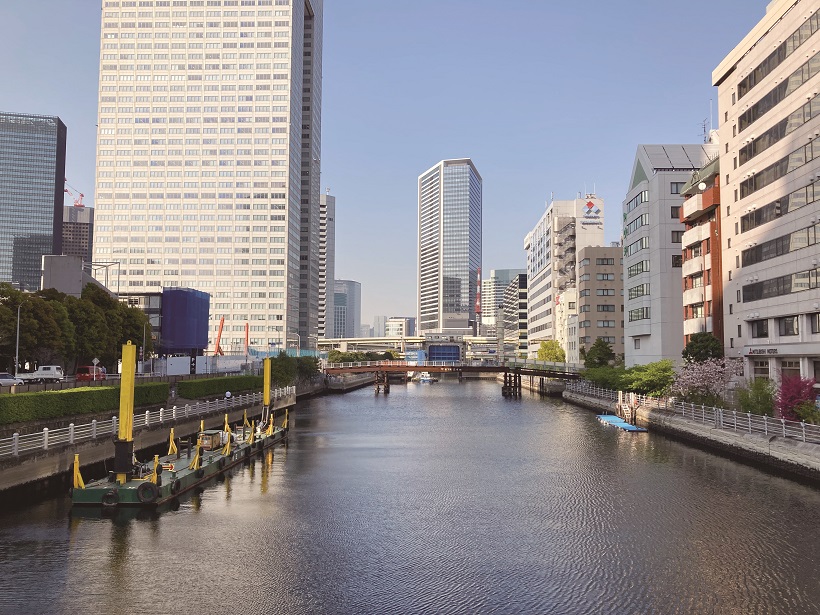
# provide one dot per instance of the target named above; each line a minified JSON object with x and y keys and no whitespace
{"x":450,"y":199}
{"x":552,"y":262}
{"x":32,"y":180}
{"x":514,"y":308}
{"x":78,"y":232}
{"x":379,"y":325}
{"x":652,"y":240}
{"x":208,"y":158}
{"x":347,"y":304}
{"x":399,"y":326}
{"x":769,"y":193}
{"x":327,"y":262}
{"x":492,"y":296}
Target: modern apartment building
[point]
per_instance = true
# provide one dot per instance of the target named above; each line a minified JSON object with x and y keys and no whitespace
{"x":208,"y":158}
{"x":32,"y":180}
{"x":327,"y":262}
{"x":600,"y":300}
{"x":702,"y":268}
{"x":551,"y":247}
{"x":769,"y":109}
{"x":78,"y":232}
{"x":652,"y":240}
{"x":450,"y":201}
{"x":492,"y":296}
{"x":379,"y":326}
{"x":347,"y":300}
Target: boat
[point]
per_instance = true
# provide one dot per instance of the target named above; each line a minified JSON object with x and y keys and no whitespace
{"x":163,"y":479}
{"x":426,"y":378}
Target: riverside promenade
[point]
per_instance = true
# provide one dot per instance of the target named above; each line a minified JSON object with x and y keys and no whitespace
{"x":788,"y":446}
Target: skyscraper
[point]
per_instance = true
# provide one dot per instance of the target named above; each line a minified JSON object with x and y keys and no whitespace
{"x":347,"y":305}
{"x":449,"y":246}
{"x":327,"y":262}
{"x":492,"y":295}
{"x":32,"y":180}
{"x":208,"y":158}
{"x":78,"y":232}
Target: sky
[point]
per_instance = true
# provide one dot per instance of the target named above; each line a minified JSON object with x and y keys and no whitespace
{"x":547,"y":98}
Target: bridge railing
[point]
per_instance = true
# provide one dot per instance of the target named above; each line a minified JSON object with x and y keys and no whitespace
{"x":420,"y":365}
{"x":719,"y":418}
{"x":68,"y":436}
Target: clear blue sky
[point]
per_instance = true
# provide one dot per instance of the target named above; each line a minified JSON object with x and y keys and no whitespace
{"x":545,"y":97}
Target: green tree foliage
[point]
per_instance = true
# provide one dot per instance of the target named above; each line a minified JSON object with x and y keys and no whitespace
{"x":757,"y":397}
{"x":336,"y":356}
{"x":59,"y":329}
{"x":283,"y":370}
{"x":606,"y":377}
{"x":599,"y":354}
{"x":807,"y":412}
{"x":701,"y":347}
{"x":551,"y":351}
{"x":307,"y":368}
{"x":652,"y":379}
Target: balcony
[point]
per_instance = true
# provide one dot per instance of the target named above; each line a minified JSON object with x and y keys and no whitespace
{"x":697,"y":325}
{"x":693,"y":296}
{"x":701,"y":203}
{"x":695,"y":235}
{"x":693,"y":265}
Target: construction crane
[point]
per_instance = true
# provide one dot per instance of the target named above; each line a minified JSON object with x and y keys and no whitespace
{"x":217,"y":347}
{"x":78,"y":200}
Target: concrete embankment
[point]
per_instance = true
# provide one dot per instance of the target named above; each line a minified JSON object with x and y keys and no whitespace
{"x":801,"y":459}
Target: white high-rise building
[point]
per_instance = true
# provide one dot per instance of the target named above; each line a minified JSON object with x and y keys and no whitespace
{"x":652,"y":240}
{"x":327,"y":262}
{"x":552,"y":263}
{"x":770,"y":195}
{"x":208,"y":158}
{"x":449,"y":247}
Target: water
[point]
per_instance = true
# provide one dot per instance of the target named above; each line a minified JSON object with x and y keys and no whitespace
{"x":441,"y":498}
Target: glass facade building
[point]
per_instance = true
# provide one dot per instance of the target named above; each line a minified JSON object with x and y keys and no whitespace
{"x":450,"y":200}
{"x":32,"y":180}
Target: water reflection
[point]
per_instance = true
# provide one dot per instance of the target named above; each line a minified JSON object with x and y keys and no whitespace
{"x":443,"y":498}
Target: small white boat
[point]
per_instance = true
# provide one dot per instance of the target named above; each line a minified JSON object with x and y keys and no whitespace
{"x":426,"y":378}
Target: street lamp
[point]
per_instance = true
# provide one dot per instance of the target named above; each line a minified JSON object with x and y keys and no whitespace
{"x":298,"y":345}
{"x":17,"y":350}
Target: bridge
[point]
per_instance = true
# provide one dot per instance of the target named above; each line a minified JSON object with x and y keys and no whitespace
{"x":513,"y":370}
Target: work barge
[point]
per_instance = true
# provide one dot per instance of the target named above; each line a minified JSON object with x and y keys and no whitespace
{"x":188,"y":464}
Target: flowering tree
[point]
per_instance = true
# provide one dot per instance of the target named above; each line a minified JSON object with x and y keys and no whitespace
{"x":793,"y":391}
{"x":706,"y":382}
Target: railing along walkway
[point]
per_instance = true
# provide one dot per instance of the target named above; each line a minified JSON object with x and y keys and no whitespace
{"x":720,"y":418}
{"x":67,"y":436}
{"x":545,"y":366}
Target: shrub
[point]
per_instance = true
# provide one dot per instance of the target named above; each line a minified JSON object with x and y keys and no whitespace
{"x":757,"y":397}
{"x":194,"y":389}
{"x":793,"y":391}
{"x":80,"y":401}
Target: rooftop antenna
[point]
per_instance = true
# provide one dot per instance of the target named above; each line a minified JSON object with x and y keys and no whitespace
{"x":327,"y":191}
{"x":711,"y":117}
{"x":705,"y":130}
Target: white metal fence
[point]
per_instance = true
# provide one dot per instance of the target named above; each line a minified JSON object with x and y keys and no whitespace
{"x":720,"y":418}
{"x":66,"y":436}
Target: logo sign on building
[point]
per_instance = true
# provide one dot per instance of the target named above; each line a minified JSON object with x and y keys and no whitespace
{"x":592,"y":215}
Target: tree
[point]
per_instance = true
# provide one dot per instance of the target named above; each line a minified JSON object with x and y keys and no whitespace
{"x":757,"y":397}
{"x":706,"y":382}
{"x":653,"y":379}
{"x":306,"y":368}
{"x":599,"y":354}
{"x":793,"y":391}
{"x":551,"y":350}
{"x":701,"y":347}
{"x":283,"y":370}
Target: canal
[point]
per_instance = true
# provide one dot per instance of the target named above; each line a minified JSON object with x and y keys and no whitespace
{"x":443,"y":498}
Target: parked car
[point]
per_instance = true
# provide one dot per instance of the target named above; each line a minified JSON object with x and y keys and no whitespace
{"x":44,"y":373}
{"x":7,"y":380}
{"x":90,"y":372}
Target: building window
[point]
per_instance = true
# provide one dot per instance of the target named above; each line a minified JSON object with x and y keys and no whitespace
{"x":815,"y":322}
{"x":761,"y":369}
{"x":676,"y":187}
{"x":677,"y":236}
{"x":572,"y":305}
{"x":602,"y":277}
{"x":606,"y":308}
{"x":788,"y":325}
{"x":677,"y":260}
{"x":639,"y":314}
{"x":759,"y":328}
{"x":604,"y":261}
{"x":789,"y":368}
{"x":637,"y":343}
{"x":675,"y":211}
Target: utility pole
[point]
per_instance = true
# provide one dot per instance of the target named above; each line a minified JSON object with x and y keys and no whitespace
{"x":17,"y":350}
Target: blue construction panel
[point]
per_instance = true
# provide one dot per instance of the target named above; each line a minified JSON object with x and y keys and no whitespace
{"x":444,"y":352}
{"x":184,"y":320}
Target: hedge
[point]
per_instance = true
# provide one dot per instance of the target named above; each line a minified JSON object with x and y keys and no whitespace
{"x":194,"y":389}
{"x":74,"y":402}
